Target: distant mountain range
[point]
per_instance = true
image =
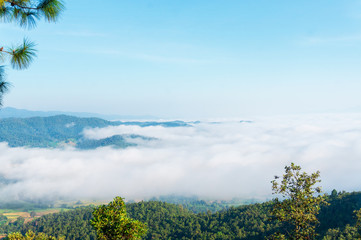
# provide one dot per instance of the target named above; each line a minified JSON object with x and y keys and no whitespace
{"x":62,"y":130}
{"x":8,"y":112}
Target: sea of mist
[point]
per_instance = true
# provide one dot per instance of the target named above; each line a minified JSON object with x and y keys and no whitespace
{"x":211,"y":159}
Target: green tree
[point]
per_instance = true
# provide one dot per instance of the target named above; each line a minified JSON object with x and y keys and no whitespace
{"x":300,"y":206}
{"x":349,"y":232}
{"x":111,"y":222}
{"x":32,"y":214}
{"x":25,"y":13}
{"x":358,"y":218}
{"x":334,"y":193}
{"x":30,"y":235}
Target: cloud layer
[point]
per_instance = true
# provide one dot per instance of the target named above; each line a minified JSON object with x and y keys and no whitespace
{"x":211,"y":160}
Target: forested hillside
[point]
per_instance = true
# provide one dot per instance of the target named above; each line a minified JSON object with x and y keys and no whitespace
{"x":170,"y":221}
{"x":62,"y":130}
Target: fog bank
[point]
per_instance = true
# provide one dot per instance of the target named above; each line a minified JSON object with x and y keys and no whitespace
{"x":211,"y":160}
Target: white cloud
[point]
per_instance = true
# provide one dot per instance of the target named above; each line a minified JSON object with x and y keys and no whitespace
{"x":221,"y":161}
{"x":331,"y":40}
{"x":166,"y":59}
{"x":83,"y":33}
{"x":69,"y":125}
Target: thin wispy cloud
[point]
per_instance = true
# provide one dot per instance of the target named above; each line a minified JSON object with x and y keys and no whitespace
{"x":331,"y":40}
{"x":153,"y":58}
{"x":164,"y":59}
{"x":80,"y":34}
{"x":138,"y":56}
{"x":11,"y":27}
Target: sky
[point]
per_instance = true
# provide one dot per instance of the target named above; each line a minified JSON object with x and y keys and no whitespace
{"x":291,"y":67}
{"x":193,"y":59}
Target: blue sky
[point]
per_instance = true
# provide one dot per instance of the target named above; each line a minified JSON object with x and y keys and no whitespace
{"x":194,"y":59}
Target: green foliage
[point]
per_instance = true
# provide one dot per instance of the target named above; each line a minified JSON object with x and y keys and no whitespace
{"x":349,"y":232}
{"x":170,"y":221}
{"x":174,"y":221}
{"x":30,"y":235}
{"x":300,"y":207}
{"x":22,"y":55}
{"x":3,"y":219}
{"x":111,"y":222}
{"x":73,"y":225}
{"x":194,"y":204}
{"x":339,"y":213}
{"x":62,"y":130}
{"x":358,"y":218}
{"x":57,"y":131}
{"x":25,"y":13}
{"x":4,"y":86}
{"x":116,"y":141}
{"x":20,"y":206}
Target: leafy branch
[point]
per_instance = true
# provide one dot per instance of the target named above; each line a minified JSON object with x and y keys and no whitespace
{"x":20,"y":56}
{"x":4,"y":86}
{"x":301,"y":203}
{"x":25,"y":13}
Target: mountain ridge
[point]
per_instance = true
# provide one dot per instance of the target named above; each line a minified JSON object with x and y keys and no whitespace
{"x":62,"y":130}
{"x":9,"y":112}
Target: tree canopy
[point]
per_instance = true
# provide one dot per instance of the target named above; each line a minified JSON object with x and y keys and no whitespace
{"x":24,"y":13}
{"x":338,"y":221}
{"x":30,"y":235}
{"x":300,"y":206}
{"x":111,"y":222}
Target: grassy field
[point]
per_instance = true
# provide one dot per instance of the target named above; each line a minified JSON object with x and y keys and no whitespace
{"x":14,"y":213}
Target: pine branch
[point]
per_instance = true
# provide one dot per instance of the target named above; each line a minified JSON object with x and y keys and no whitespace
{"x":26,"y":12}
{"x":51,"y":9}
{"x":22,"y":56}
{"x":21,"y":4}
{"x":4,"y":86}
{"x":26,"y":18}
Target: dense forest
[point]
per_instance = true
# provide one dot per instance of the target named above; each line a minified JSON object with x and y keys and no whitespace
{"x":62,"y":130}
{"x":175,"y":221}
